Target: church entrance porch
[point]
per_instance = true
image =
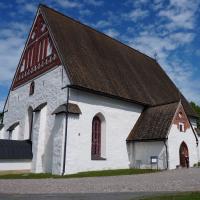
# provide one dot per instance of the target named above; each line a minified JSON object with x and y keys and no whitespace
{"x":184,"y":155}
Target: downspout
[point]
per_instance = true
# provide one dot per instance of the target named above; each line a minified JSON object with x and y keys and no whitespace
{"x":65,"y":136}
{"x":197,"y":141}
{"x":167,"y":156}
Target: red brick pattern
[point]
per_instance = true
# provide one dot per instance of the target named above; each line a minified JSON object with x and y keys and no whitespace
{"x":181,"y":117}
{"x":39,"y":56}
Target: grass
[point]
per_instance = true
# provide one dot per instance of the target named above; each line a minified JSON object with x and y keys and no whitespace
{"x":177,"y":196}
{"x":117,"y":172}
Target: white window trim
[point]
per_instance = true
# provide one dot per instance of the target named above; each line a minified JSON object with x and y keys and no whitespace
{"x":181,"y":125}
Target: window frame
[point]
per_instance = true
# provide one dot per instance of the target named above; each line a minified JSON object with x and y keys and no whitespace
{"x":32,"y":88}
{"x":96,"y":138}
{"x":181,"y":127}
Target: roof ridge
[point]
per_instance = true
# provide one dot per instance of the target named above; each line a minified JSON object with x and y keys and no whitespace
{"x":164,"y":104}
{"x":97,"y":31}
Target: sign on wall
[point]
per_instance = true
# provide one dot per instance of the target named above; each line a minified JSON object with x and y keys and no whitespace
{"x":39,"y":56}
{"x":154,"y":161}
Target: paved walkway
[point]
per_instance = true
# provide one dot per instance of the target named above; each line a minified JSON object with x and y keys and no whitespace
{"x":167,"y":181}
{"x":80,"y":196}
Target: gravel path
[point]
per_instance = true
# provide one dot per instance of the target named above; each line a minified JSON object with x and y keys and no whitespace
{"x":174,"y":180}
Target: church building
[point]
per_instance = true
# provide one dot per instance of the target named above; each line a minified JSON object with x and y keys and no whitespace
{"x":83,"y":101}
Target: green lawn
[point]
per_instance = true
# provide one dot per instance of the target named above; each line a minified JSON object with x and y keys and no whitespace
{"x":178,"y":196}
{"x":78,"y":175}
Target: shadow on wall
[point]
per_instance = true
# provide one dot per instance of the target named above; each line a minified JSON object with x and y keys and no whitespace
{"x":35,"y":131}
{"x":53,"y":148}
{"x":103,"y":101}
{"x":140,"y":153}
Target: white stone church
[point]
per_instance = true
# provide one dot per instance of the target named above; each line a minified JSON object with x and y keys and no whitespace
{"x":82,"y":101}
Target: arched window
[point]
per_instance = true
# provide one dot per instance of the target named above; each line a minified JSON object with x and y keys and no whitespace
{"x":32,"y":88}
{"x":96,"y":138}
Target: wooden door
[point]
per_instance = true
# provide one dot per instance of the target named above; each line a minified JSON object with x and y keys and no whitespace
{"x":183,"y":154}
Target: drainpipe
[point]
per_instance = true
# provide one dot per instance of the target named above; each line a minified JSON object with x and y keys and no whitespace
{"x":197,"y":141}
{"x":167,"y":156}
{"x":65,"y":136}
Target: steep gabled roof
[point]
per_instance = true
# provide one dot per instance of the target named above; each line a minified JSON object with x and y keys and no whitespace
{"x":100,"y":63}
{"x":154,"y":123}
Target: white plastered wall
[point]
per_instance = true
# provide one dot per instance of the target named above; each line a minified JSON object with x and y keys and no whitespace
{"x":2,"y":132}
{"x":38,"y":141}
{"x":194,"y":124}
{"x":120,"y":117}
{"x":6,"y":165}
{"x":198,"y":153}
{"x":141,"y":153}
{"x":48,"y":88}
{"x":58,"y":134}
{"x":175,"y":139}
{"x":15,"y":133}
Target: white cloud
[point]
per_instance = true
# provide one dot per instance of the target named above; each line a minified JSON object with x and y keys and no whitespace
{"x":25,"y":6}
{"x":12,"y":40}
{"x":171,"y":32}
{"x":94,"y":2}
{"x":135,"y":3}
{"x":85,"y":12}
{"x":180,"y":14}
{"x":136,"y":14}
{"x":68,"y":4}
{"x":111,"y":32}
{"x":182,"y":38}
{"x":173,"y":28}
{"x":102,"y":24}
{"x":29,"y":7}
{"x":182,"y":74}
{"x":10,"y":50}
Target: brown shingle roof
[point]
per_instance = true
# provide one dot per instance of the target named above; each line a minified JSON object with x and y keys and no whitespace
{"x":13,"y":126}
{"x":154,"y":123}
{"x":72,"y":108}
{"x":100,"y":63}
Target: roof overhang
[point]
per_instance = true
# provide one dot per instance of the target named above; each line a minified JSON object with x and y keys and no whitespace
{"x":70,"y":108}
{"x":13,"y":126}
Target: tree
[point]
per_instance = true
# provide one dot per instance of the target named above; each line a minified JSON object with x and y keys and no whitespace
{"x":197,"y":109}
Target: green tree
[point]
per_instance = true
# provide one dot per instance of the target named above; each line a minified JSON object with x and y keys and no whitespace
{"x":197,"y":109}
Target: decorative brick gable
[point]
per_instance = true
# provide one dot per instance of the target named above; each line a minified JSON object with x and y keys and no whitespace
{"x":181,"y":117}
{"x":39,"y":55}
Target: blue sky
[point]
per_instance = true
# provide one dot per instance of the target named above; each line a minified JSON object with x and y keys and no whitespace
{"x":167,"y":29}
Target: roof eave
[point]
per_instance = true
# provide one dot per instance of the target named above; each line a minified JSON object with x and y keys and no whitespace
{"x":147,"y":140}
{"x":77,"y":87}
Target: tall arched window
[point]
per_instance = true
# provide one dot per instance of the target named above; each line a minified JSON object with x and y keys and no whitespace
{"x":96,"y":138}
{"x":32,"y":88}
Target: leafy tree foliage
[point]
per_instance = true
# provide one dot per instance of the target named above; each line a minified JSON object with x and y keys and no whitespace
{"x":197,"y":109}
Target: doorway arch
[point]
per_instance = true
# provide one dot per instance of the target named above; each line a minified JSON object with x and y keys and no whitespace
{"x":183,"y":153}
